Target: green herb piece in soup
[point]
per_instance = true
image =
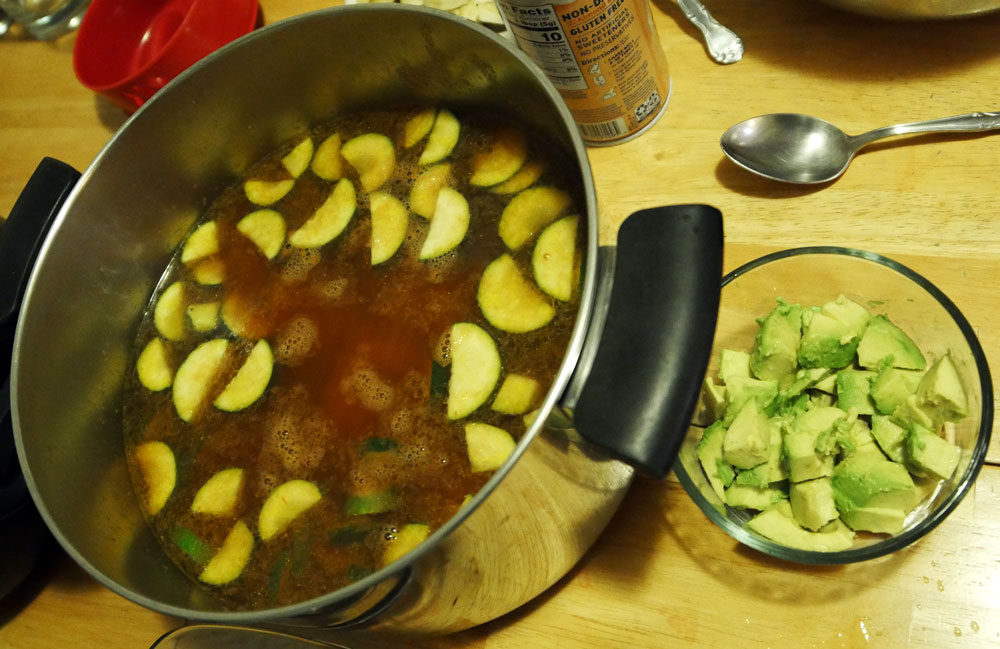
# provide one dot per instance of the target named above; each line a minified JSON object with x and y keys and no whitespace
{"x":375,"y":503}
{"x":358,"y":572}
{"x":349,"y":534}
{"x":379,"y":445}
{"x":191,"y":544}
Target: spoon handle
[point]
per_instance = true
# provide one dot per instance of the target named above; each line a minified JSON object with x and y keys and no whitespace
{"x":957,"y":123}
{"x":723,"y":45}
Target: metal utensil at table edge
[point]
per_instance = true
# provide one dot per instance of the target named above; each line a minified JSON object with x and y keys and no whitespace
{"x":723,"y":45}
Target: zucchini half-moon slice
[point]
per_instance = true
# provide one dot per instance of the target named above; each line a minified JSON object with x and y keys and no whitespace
{"x":286,"y":503}
{"x":509,"y":301}
{"x":250,"y":381}
{"x":229,"y":562}
{"x":475,"y":369}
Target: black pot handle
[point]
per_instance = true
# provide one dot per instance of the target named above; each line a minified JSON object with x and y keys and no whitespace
{"x":26,"y":227}
{"x":20,"y":238}
{"x":651,"y":359}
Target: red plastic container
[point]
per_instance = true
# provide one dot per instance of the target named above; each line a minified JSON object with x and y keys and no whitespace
{"x":127,"y":50}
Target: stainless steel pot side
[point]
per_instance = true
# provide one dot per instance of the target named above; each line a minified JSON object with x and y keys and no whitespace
{"x":110,"y":242}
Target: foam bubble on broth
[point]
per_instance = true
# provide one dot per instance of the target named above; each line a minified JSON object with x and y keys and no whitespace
{"x":296,"y":341}
{"x":297,"y":263}
{"x":370,"y":389}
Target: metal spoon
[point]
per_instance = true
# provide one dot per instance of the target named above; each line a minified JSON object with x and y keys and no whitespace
{"x":723,"y":45}
{"x":801,"y":149}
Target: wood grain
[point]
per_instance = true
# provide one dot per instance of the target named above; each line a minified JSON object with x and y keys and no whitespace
{"x":662,"y":574}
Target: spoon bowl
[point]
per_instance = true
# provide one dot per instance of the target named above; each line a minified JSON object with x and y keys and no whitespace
{"x":801,"y":149}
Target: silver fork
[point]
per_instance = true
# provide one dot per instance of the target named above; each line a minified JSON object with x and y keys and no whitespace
{"x":723,"y":45}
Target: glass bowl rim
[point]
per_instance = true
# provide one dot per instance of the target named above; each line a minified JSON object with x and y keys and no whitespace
{"x":934,"y":518}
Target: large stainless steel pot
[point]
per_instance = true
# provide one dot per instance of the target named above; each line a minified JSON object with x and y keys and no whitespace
{"x":628,"y":382}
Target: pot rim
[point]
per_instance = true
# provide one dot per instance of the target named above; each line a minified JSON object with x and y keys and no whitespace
{"x":399,"y":568}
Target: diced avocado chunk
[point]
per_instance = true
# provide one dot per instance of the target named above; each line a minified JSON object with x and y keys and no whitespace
{"x":911,"y":412}
{"x":805,"y":460}
{"x":776,"y":456}
{"x":713,"y":396}
{"x":931,"y":453}
{"x":804,"y":380}
{"x":892,"y":386}
{"x":748,"y":439}
{"x":776,"y":346}
{"x":733,"y":364}
{"x":759,"y":476}
{"x":828,"y":383}
{"x":852,"y":314}
{"x":741,"y":390}
{"x":940,"y":393}
{"x":885,"y":520}
{"x":854,"y":436}
{"x":812,"y":503}
{"x":804,"y":463}
{"x":830,"y":335}
{"x":750,"y":497}
{"x":891,"y":437}
{"x":778,"y":524}
{"x":884,"y":340}
{"x":709,"y":452}
{"x":854,"y":391}
{"x":867,"y":482}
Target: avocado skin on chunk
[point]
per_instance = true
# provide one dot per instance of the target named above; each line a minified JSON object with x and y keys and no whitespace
{"x":776,"y":346}
{"x":709,"y":452}
{"x":748,"y":439}
{"x":750,"y":497}
{"x":881,"y":340}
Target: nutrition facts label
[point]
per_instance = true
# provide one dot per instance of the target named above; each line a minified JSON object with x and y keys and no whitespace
{"x":540,"y":35}
{"x":602,"y":56}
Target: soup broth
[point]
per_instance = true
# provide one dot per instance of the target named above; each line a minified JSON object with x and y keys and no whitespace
{"x":325,"y":375}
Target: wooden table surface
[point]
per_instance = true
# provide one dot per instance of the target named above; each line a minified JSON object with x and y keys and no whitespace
{"x":662,"y":574}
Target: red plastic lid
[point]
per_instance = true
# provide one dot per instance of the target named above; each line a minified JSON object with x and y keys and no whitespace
{"x":128,"y":50}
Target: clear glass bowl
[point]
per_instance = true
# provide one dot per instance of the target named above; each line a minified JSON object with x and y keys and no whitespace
{"x":814,"y":276}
